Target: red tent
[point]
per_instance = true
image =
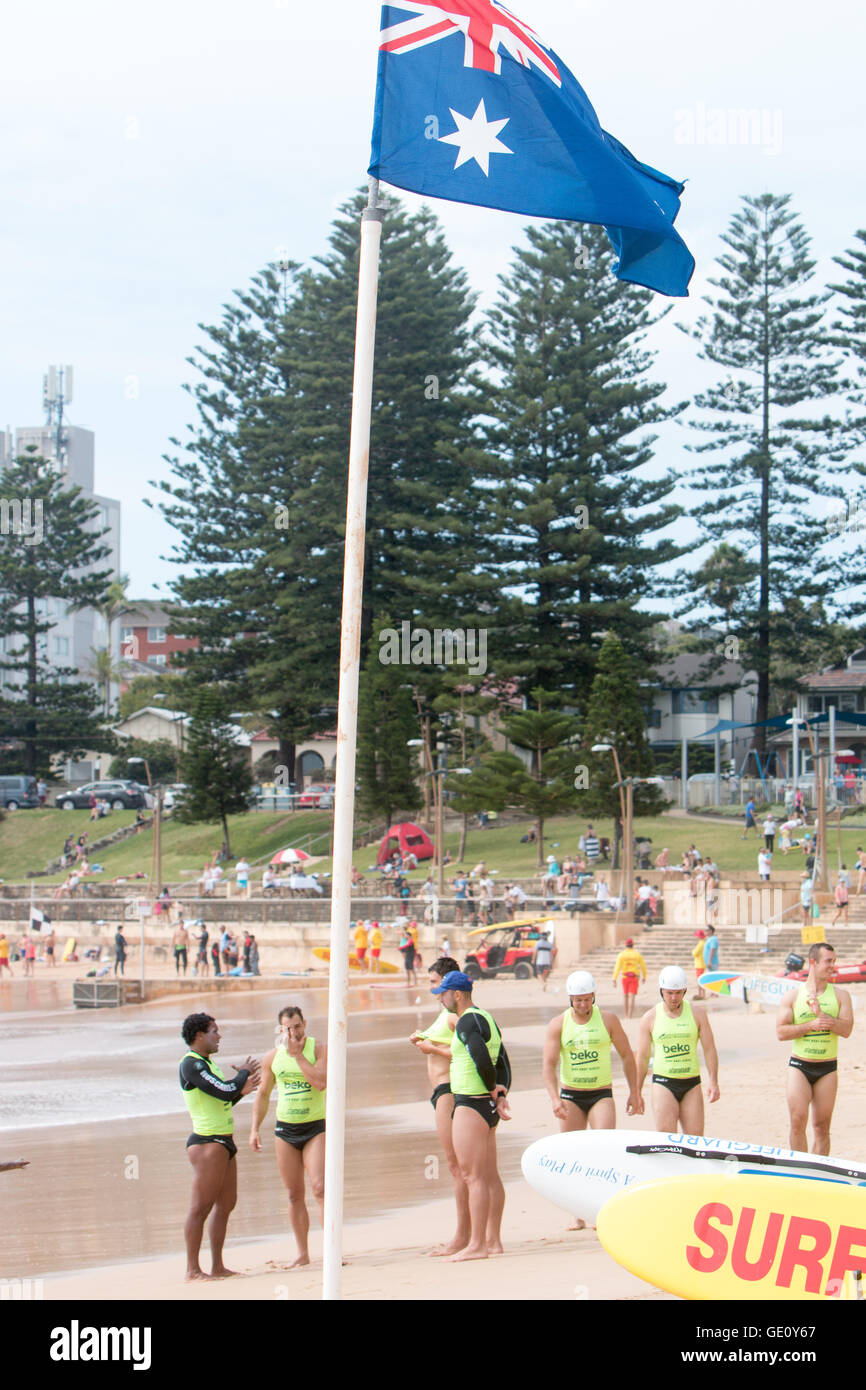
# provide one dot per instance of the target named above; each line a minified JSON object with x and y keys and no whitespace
{"x":410,"y":839}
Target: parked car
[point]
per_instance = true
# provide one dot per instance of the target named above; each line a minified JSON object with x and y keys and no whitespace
{"x":121,"y":796}
{"x":18,"y":793}
{"x":172,"y":795}
{"x":322,"y":798}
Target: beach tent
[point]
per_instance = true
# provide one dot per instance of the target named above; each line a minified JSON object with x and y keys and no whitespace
{"x":410,"y":839}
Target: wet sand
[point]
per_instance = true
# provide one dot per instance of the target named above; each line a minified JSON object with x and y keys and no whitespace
{"x":112,"y":1194}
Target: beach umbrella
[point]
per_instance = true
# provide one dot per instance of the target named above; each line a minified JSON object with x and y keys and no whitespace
{"x":292,"y":856}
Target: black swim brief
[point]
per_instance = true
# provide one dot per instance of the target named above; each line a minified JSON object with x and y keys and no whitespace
{"x":224,"y":1139}
{"x":482,"y":1105}
{"x":443,"y":1090}
{"x":586,"y":1099}
{"x":678,"y":1086}
{"x":813,"y":1071}
{"x":298,"y":1135}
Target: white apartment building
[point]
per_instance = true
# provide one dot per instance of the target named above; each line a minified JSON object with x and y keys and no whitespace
{"x":76,"y":635}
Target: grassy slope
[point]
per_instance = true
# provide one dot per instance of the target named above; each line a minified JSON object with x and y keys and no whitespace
{"x":28,"y":839}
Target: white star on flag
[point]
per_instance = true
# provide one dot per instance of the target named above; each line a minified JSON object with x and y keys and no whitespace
{"x":476,"y":138}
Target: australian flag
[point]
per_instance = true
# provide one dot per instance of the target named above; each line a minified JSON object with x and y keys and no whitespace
{"x":472,"y":106}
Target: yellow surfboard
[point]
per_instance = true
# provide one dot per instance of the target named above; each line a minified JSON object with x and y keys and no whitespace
{"x":740,"y":1237}
{"x":384,"y":966}
{"x":69,"y":949}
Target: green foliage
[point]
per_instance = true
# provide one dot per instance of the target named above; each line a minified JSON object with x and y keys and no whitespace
{"x":761,"y":508}
{"x":214,"y":768}
{"x":615,"y":715}
{"x":574,"y":527}
{"x":502,"y":779}
{"x":143,"y":691}
{"x":386,"y":722}
{"x":43,"y":708}
{"x":162,"y":759}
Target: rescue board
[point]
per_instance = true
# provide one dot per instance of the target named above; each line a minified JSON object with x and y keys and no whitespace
{"x":580,"y":1171}
{"x":766,"y":989}
{"x":385,"y":967}
{"x":735,"y":1237}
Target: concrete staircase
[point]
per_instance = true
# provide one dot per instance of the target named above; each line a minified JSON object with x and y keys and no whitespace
{"x":673,"y":946}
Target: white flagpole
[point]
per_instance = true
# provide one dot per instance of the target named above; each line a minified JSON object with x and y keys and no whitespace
{"x":347,"y":731}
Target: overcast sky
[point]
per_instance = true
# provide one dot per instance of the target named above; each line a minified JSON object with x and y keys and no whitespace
{"x":158,"y":155}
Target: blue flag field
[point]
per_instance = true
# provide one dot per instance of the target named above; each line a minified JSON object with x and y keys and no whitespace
{"x":473,"y":107}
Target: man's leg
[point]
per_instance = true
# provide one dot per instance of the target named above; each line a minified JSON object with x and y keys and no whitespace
{"x":799,"y":1094}
{"x":497,"y":1198}
{"x":470,"y":1135}
{"x":218,"y":1224}
{"x":291,"y":1165}
{"x":691,"y":1112}
{"x":209,"y":1164}
{"x":444,"y":1116}
{"x":603,"y":1114}
{"x":823,"y":1101}
{"x":313,"y":1156}
{"x":666,"y":1111}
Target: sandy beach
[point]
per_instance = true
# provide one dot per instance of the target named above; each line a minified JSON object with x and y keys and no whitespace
{"x":395,"y":1212}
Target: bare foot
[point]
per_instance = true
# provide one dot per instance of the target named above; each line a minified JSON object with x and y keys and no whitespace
{"x":494,"y":1247}
{"x":222,"y":1273}
{"x":470,"y":1253}
{"x":578,"y":1225}
{"x":193,"y":1274}
{"x":301,"y":1260}
{"x":451,"y":1248}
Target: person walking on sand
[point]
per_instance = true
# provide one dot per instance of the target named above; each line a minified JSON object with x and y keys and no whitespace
{"x":576,"y":1064}
{"x":814,"y":1016}
{"x":435,"y":1043}
{"x":632,"y":966}
{"x":210,"y":1148}
{"x":119,"y":950}
{"x":841,"y":897}
{"x":4,"y":956}
{"x":544,"y":953}
{"x":479,"y":1076}
{"x":298,"y":1068}
{"x":180,"y":942}
{"x":672,"y":1031}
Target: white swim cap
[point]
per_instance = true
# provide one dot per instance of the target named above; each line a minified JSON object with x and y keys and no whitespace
{"x":673,"y":977}
{"x":580,"y":982}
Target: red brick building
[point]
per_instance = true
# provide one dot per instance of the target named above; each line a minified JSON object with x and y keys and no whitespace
{"x":145,"y":638}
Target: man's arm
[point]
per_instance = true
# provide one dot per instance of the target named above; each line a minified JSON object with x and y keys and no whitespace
{"x":786,"y":1028}
{"x":316,"y":1072}
{"x":711,"y":1056}
{"x":550,"y":1065}
{"x":644,"y":1046}
{"x":471,"y":1033}
{"x":196,"y":1075}
{"x":634,"y":1104}
{"x":844,"y":1024}
{"x":262,"y":1099}
{"x":616,"y":969}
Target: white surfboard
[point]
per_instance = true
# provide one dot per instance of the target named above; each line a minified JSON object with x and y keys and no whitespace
{"x":580,"y":1171}
{"x":766,"y":989}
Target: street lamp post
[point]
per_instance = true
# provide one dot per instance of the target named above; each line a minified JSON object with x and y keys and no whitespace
{"x":819,"y":876}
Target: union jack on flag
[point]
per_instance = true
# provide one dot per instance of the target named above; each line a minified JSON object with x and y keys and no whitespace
{"x":486,"y":26}
{"x":469,"y":75}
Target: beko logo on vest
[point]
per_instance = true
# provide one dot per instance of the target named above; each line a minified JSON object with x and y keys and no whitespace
{"x":76,"y":1343}
{"x":676,"y":1049}
{"x":585,"y":1055}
